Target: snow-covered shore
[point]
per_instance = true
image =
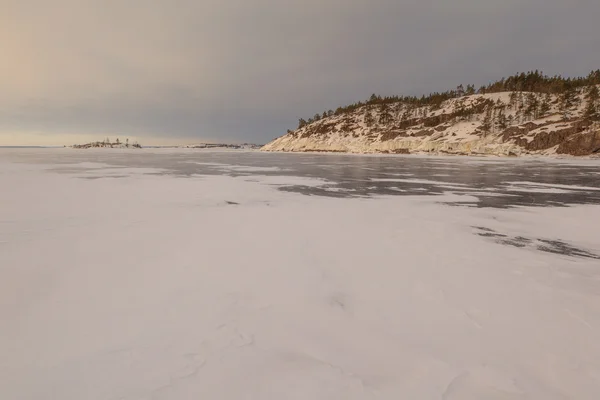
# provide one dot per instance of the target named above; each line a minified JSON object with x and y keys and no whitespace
{"x":137,"y":285}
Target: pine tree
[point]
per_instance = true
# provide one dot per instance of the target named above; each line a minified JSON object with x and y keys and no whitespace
{"x":567,"y":102}
{"x":501,"y":120}
{"x":531,"y":110}
{"x":545,"y":105}
{"x":591,"y":110}
{"x":520,"y":101}
{"x":301,"y":123}
{"x":576,"y":99}
{"x":486,"y":124}
{"x":470,"y":90}
{"x":384,"y":115}
{"x":519,"y":107}
{"x":369,"y":120}
{"x":593,"y":94}
{"x":459,"y":110}
{"x":513,"y":99}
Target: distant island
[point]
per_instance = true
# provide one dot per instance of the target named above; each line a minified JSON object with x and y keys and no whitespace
{"x":527,"y":113}
{"x":117,"y":144}
{"x":106,"y":143}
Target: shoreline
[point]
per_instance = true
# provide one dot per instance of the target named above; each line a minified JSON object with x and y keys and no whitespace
{"x":153,"y":150}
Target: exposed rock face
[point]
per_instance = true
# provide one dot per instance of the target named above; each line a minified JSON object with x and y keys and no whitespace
{"x":581,"y":144}
{"x":496,"y":124}
{"x":548,"y":134}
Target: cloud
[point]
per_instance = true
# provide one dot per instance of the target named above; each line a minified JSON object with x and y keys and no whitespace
{"x":247,"y":70}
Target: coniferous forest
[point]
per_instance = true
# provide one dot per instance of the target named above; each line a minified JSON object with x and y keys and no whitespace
{"x":533,"y":81}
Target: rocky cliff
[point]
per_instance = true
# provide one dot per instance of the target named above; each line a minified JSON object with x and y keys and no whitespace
{"x":505,"y":123}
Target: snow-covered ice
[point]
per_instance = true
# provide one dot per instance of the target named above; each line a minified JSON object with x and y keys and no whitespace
{"x":156,"y":286}
{"x":418,"y":181}
{"x":554,"y":185}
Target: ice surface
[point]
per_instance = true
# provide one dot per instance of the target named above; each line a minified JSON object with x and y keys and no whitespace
{"x":554,"y":185}
{"x":418,"y":181}
{"x":536,"y":189}
{"x":155,"y":286}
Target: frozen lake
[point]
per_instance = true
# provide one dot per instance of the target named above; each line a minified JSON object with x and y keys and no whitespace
{"x":178,"y":274}
{"x":495,"y":182}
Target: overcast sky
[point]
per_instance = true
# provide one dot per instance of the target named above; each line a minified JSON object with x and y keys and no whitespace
{"x":184,"y":71}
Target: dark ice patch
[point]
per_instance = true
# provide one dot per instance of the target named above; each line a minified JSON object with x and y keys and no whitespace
{"x":554,"y":246}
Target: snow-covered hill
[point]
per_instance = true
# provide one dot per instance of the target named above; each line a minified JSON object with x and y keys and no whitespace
{"x":506,"y":123}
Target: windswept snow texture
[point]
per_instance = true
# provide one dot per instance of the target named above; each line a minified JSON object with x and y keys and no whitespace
{"x":144,"y":275}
